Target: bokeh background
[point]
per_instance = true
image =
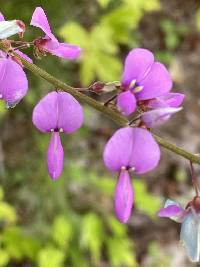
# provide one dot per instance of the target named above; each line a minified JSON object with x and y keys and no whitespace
{"x":70,"y":222}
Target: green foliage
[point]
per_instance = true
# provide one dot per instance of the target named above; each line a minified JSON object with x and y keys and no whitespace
{"x":145,"y":201}
{"x":92,"y":235}
{"x":120,"y":252}
{"x":157,"y":257}
{"x":198,"y":18}
{"x":101,"y":42}
{"x":26,"y":248}
{"x":51,"y":257}
{"x":173,"y":33}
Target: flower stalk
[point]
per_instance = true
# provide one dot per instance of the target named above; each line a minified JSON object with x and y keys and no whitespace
{"x":115,"y":116}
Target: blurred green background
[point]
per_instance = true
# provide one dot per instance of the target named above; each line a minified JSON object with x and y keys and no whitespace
{"x":70,"y":222}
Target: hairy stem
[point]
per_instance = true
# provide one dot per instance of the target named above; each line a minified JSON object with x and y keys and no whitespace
{"x":115,"y":116}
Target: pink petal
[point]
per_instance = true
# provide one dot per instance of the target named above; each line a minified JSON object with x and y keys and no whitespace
{"x":55,"y":156}
{"x":13,"y":81}
{"x":70,"y":113}
{"x":156,"y":83}
{"x":158,"y":116}
{"x":45,"y":113}
{"x":173,"y":100}
{"x":172,"y":210}
{"x":118,"y":150}
{"x":65,"y":50}
{"x":21,"y":54}
{"x":1,"y":17}
{"x":39,"y":19}
{"x":132,"y":148}
{"x":136,"y":66}
{"x":123,"y":197}
{"x":126,"y":102}
{"x":145,"y":151}
{"x":58,"y":111}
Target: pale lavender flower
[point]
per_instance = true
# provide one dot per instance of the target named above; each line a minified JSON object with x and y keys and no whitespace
{"x":190,"y":224}
{"x":55,"y":113}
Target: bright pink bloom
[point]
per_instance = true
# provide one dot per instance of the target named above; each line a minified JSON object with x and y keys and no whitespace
{"x":144,"y":78}
{"x":13,"y":81}
{"x":129,"y":149}
{"x":49,"y":43}
{"x":55,"y":113}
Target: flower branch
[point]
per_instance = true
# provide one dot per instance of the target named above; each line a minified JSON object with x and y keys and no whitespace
{"x":115,"y":116}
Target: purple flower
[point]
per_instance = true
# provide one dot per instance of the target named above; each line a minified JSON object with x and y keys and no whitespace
{"x":144,"y":78}
{"x":13,"y":81}
{"x":129,"y":149}
{"x":190,"y":228}
{"x":49,"y":42}
{"x":161,"y":109}
{"x":55,"y":113}
{"x":158,"y":116}
{"x":173,"y":100}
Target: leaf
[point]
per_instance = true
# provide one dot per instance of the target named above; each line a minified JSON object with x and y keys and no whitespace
{"x":92,"y":236}
{"x":74,"y":33}
{"x":4,"y":258}
{"x":103,"y":3}
{"x":198,"y":18}
{"x":118,"y":229}
{"x":27,"y":247}
{"x":120,"y":252}
{"x":145,"y":201}
{"x":62,"y":232}
{"x":51,"y":257}
{"x":7,"y":213}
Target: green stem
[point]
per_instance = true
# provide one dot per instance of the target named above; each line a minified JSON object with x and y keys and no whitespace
{"x":115,"y":116}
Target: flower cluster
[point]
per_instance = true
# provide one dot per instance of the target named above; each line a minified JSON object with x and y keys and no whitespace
{"x":145,"y":89}
{"x":146,"y":86}
{"x":13,"y":80}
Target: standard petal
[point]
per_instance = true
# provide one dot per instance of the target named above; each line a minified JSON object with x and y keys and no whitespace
{"x":13,"y":81}
{"x":70,"y":113}
{"x":21,"y":54}
{"x":126,"y":102}
{"x":1,"y":17}
{"x":118,"y":150}
{"x":190,"y":236}
{"x":145,"y":154}
{"x":55,"y":156}
{"x":173,"y":100}
{"x":39,"y":19}
{"x":66,"y":51}
{"x":156,"y":83}
{"x":9,"y":28}
{"x":172,"y":210}
{"x":137,"y":65}
{"x":123,"y":197}
{"x":45,"y":113}
{"x":158,"y":116}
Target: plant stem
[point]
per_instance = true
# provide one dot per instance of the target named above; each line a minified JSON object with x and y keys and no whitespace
{"x":115,"y":116}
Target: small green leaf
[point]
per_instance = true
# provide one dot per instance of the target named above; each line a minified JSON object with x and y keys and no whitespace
{"x":92,"y":235}
{"x":51,"y":257}
{"x":62,"y":231}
